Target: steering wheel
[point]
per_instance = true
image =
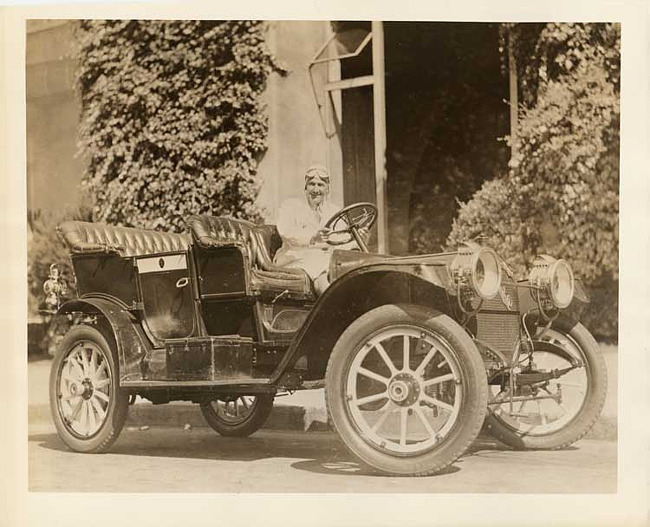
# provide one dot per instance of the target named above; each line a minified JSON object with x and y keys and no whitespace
{"x":349,"y":220}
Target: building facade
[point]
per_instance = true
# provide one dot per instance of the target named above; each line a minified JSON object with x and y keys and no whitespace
{"x":53,"y":168}
{"x":405,"y":115}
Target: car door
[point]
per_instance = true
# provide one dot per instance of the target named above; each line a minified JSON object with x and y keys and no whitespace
{"x":167,"y":295}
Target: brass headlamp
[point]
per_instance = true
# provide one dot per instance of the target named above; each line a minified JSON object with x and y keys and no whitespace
{"x":553,"y":280}
{"x":476,"y":270}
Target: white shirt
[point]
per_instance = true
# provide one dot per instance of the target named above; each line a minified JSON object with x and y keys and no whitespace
{"x":297,"y":223}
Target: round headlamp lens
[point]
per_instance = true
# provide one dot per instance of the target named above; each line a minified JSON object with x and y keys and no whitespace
{"x":561,"y":283}
{"x":486,"y":273}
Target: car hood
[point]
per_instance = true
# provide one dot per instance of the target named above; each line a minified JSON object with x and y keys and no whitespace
{"x":343,"y":262}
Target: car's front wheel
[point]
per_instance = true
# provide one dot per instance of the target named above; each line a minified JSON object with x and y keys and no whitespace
{"x":567,"y":406}
{"x":406,"y":389}
{"x":87,"y":405}
{"x":238,"y":416}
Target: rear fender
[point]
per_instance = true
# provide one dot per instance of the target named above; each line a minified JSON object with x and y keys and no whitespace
{"x":354,"y":294}
{"x":120,"y":327}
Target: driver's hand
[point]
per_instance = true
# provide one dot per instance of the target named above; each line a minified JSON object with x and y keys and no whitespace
{"x":321,"y":236}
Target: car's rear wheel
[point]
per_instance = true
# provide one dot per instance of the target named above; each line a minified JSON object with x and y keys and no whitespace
{"x":572,"y":402}
{"x":406,"y":389}
{"x":87,"y":405}
{"x":238,"y":416}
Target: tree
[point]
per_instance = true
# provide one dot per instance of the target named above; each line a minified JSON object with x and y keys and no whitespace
{"x":560,"y":194}
{"x":171,"y":118}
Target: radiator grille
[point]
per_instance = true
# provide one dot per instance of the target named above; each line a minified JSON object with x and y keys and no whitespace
{"x":497,"y":322}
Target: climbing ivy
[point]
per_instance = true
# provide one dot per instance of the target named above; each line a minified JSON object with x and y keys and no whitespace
{"x":172,"y":123}
{"x":549,"y":52}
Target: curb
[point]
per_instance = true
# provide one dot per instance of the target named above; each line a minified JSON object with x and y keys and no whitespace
{"x":288,"y":418}
{"x":283,"y":417}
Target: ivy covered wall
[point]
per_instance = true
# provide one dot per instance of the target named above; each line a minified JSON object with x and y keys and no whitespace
{"x":172,"y":121}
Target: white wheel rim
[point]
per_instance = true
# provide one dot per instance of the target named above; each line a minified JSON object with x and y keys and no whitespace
{"x":235,"y":411}
{"x":547,"y":416}
{"x":84,"y":389}
{"x":413,"y":379}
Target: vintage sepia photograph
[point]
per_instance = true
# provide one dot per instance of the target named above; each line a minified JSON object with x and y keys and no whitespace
{"x":322,"y":256}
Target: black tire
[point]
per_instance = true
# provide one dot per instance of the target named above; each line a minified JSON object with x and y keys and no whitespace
{"x":84,"y":382}
{"x":248,"y":422}
{"x":572,"y":422}
{"x":357,"y":362}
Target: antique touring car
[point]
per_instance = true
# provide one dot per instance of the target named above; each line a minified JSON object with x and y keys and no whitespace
{"x":415,"y":351}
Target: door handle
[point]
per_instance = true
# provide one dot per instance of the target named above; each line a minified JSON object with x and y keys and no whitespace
{"x":182,"y":282}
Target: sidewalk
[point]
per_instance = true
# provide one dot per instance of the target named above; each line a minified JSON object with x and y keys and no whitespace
{"x":304,"y":410}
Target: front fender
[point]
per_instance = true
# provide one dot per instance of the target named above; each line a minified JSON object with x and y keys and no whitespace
{"x":121,"y":329}
{"x":542,"y":345}
{"x":352,"y":295}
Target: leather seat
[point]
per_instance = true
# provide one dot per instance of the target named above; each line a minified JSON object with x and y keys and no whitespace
{"x":86,"y":238}
{"x":259,"y":244}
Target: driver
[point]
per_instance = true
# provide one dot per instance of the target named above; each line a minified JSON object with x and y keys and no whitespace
{"x":301,"y":224}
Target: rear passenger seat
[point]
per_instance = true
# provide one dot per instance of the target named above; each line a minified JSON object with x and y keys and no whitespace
{"x":84,"y":237}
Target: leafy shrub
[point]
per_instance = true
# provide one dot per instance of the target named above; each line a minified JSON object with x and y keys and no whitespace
{"x":45,"y":248}
{"x":564,"y":171}
{"x":171,"y":119}
{"x":548,"y":52}
{"x":493,"y":218}
{"x":435,"y":201}
{"x":560,"y":195}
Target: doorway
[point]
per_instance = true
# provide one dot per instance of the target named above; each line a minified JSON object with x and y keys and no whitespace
{"x":445,"y":119}
{"x":446,"y":115}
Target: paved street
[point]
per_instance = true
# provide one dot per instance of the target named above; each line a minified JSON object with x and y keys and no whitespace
{"x":166,"y":458}
{"x":173,"y":460}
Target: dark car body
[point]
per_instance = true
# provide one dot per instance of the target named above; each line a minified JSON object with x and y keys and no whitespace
{"x":208,"y":316}
{"x":240,"y":325}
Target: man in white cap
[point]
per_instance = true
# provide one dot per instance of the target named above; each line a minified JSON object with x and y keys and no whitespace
{"x":301,"y":224}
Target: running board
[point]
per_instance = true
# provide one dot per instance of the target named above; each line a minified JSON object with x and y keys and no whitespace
{"x":241,"y":384}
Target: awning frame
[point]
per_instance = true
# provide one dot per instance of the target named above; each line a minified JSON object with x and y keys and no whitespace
{"x":377,"y":81}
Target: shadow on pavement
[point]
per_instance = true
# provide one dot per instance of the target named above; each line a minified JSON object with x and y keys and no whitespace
{"x":319,"y":452}
{"x":348,"y":468}
{"x":153,"y":442}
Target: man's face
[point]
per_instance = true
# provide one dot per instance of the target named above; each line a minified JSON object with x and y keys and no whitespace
{"x":316,"y":190}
